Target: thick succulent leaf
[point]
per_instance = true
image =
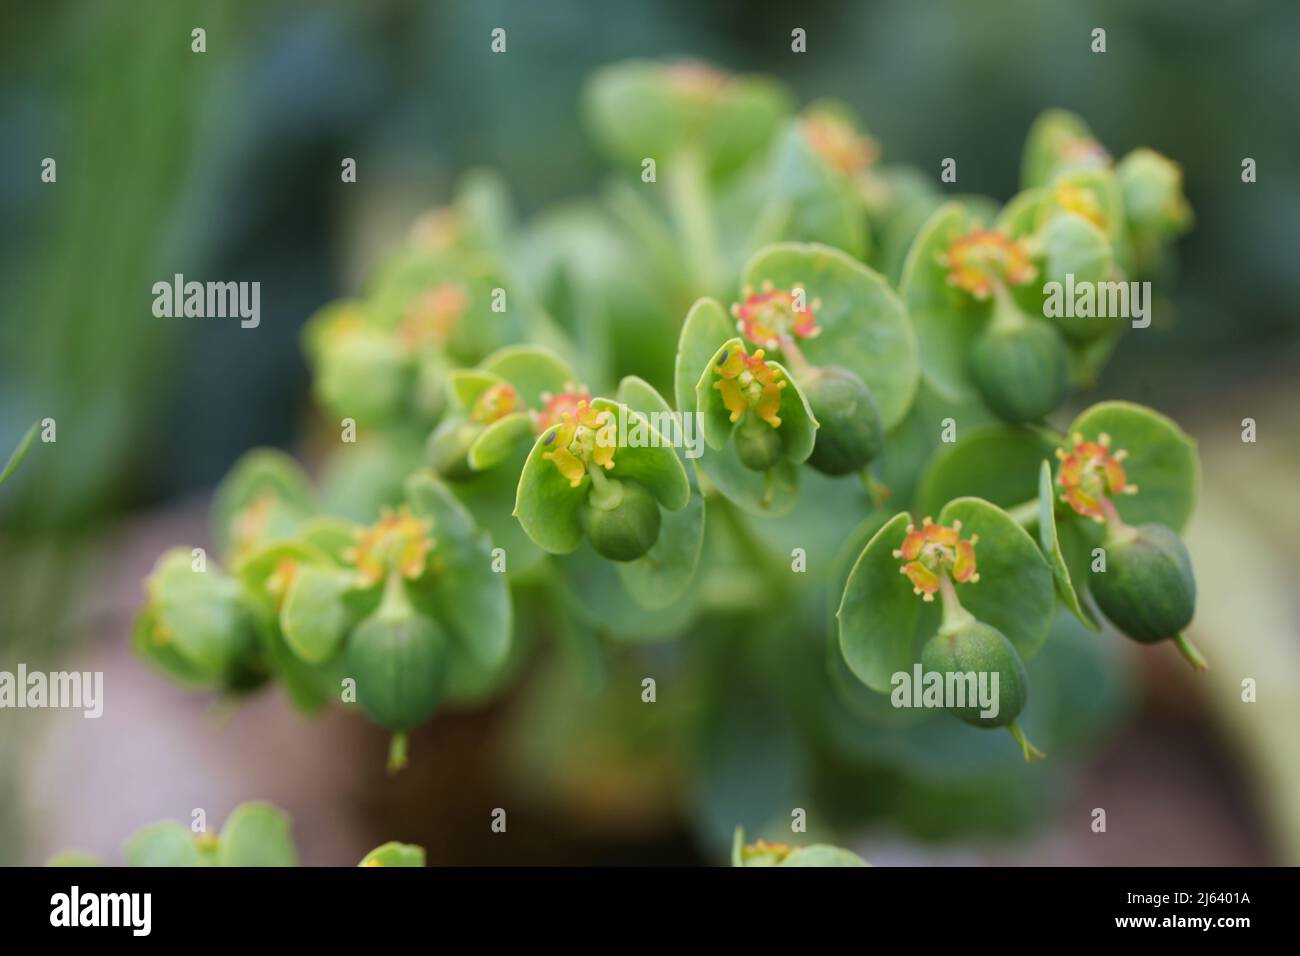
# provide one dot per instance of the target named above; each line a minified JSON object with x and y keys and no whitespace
{"x":545,"y":503}
{"x":864,"y":325}
{"x":946,"y":319}
{"x":269,"y":481}
{"x":315,"y":617}
{"x":1057,"y":141}
{"x":497,"y":441}
{"x":645,"y":455}
{"x":998,"y":463}
{"x":882,"y":624}
{"x":467,"y":384}
{"x":394,"y":854}
{"x":1162,"y":461}
{"x":165,"y":844}
{"x":706,"y":327}
{"x":256,"y":834}
{"x":1051,"y":544}
{"x":532,"y":370}
{"x":19,"y":453}
{"x":1015,"y":591}
{"x":471,"y":599}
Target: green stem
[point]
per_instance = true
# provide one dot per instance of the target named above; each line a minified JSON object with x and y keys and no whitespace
{"x":1028,"y":749}
{"x":692,"y":210}
{"x":955,"y":617}
{"x":877,"y":491}
{"x":397,"y":755}
{"x":606,"y":494}
{"x":1190,"y":651}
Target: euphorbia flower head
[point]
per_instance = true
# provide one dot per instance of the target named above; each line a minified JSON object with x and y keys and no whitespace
{"x":432,"y":315}
{"x":1081,"y":202}
{"x":838,"y":144}
{"x":1090,"y":472}
{"x":556,"y":406}
{"x":398,"y":541}
{"x":773,"y":317}
{"x":494,"y":403}
{"x":934,"y":550}
{"x":584,"y":436}
{"x":747,"y":381}
{"x":981,"y":259}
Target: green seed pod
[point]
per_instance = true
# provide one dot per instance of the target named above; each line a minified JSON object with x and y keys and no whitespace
{"x":398,"y":659}
{"x":757,"y":443}
{"x":621,"y":519}
{"x":977,"y":648}
{"x":850,"y":433}
{"x":1022,"y":369}
{"x":448,"y":447}
{"x":1147,"y":589}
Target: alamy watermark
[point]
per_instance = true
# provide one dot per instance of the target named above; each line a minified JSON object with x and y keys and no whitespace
{"x":954,"y":689}
{"x":669,"y":429}
{"x":208,"y":300}
{"x":1102,"y":300}
{"x":65,"y":690}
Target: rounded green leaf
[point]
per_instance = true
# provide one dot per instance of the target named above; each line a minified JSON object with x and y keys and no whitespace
{"x":256,"y":834}
{"x":998,"y":463}
{"x":315,"y":618}
{"x":162,"y":844}
{"x":1051,"y":544}
{"x":394,"y":854}
{"x":1058,"y":141}
{"x":467,"y":384}
{"x":705,"y":328}
{"x":532,"y":370}
{"x":497,"y":441}
{"x":864,"y":325}
{"x":74,"y":858}
{"x":882,"y":624}
{"x":471,"y":599}
{"x":1161,"y":461}
{"x":546,"y":504}
{"x":1015,"y":591}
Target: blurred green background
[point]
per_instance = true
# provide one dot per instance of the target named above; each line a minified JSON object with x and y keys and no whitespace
{"x":226,"y":164}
